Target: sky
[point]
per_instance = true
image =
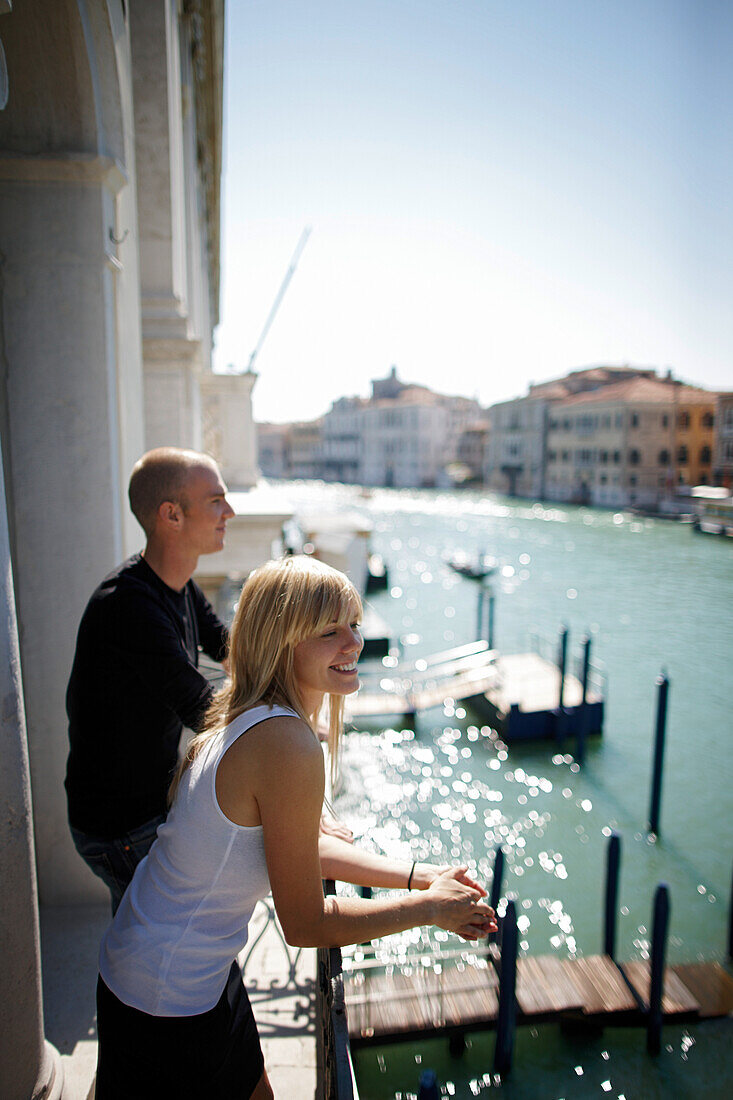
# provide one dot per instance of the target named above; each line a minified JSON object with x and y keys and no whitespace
{"x":498,"y":191}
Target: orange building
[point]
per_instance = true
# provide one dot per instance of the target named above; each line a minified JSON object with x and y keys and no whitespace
{"x":631,"y":443}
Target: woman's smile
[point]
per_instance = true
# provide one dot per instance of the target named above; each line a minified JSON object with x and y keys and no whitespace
{"x":327,"y":662}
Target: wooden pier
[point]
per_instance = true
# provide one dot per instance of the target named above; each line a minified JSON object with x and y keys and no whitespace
{"x":524,"y":700}
{"x":465,"y":672}
{"x":438,"y":999}
{"x":523,"y":695}
{"x":491,"y":987}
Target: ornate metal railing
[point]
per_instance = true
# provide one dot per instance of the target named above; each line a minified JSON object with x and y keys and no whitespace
{"x":334,"y":1052}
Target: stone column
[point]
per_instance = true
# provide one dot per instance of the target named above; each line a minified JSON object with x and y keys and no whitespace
{"x":228,"y":426}
{"x":175,"y":338}
{"x":29,"y":1066}
{"x":62,"y":450}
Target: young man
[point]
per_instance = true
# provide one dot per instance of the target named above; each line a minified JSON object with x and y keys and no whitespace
{"x":135,"y":681}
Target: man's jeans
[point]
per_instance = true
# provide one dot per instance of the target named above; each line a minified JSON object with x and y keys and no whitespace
{"x":114,"y":861}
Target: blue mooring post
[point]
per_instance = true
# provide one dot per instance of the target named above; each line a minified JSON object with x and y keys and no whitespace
{"x":428,"y":1086}
{"x":730,"y":921}
{"x":660,"y":924}
{"x":613,"y":864}
{"x":496,"y":883}
{"x":583,"y":716}
{"x":562,"y":662}
{"x":562,"y":659}
{"x":656,"y":795}
{"x":366,"y":892}
{"x":506,"y":1019}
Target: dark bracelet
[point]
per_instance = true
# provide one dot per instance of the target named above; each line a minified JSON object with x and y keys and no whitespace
{"x":409,"y":877}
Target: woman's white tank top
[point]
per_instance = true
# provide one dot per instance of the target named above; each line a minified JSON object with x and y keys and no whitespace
{"x":184,"y":917}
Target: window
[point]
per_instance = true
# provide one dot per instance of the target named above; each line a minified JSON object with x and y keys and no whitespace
{"x":617,"y":457}
{"x":663,"y":458}
{"x":705,"y":456}
{"x":665,"y":421}
{"x":708,"y":420}
{"x":634,"y":458}
{"x":632,"y":479}
{"x":683,"y":420}
{"x":603,"y":456}
{"x":634,"y":420}
{"x":682,"y":454}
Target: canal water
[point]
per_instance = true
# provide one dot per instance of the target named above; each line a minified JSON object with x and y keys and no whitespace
{"x":653,"y":596}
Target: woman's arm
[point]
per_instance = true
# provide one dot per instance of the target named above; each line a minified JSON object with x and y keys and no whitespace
{"x":347,"y":863}
{"x":285,"y":772}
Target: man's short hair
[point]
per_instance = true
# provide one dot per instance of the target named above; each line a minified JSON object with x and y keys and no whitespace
{"x":159,"y":476}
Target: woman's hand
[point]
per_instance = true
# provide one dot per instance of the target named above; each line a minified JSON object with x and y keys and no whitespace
{"x":425,"y":875}
{"x":459,"y":906}
{"x":331,"y":826}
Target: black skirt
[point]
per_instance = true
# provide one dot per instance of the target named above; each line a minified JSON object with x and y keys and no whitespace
{"x":215,"y":1054}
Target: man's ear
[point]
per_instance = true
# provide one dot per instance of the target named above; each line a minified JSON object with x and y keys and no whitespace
{"x":170,"y":515}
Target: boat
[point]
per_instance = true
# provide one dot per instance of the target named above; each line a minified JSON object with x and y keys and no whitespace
{"x":377,"y":575}
{"x":715,"y":517}
{"x":474,"y":568}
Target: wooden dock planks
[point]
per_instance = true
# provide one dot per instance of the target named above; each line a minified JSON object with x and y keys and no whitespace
{"x":428,"y":1000}
{"x":423,"y":1002}
{"x":546,"y":987}
{"x":710,"y":984}
{"x":604,"y":990}
{"x":677,"y":1000}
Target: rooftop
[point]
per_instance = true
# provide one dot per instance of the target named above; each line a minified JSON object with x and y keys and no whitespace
{"x":645,"y":391}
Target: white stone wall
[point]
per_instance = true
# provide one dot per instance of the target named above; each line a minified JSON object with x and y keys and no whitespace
{"x":229,"y":433}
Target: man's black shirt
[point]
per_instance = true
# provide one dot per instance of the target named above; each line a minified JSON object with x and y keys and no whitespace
{"x":134,"y":684}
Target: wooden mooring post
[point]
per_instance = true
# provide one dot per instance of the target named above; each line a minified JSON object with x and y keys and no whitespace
{"x":485,"y":616}
{"x":507,"y":1017}
{"x":660,"y":926}
{"x":613,"y":865}
{"x":562,"y":661}
{"x":428,"y":1089}
{"x":730,"y":921}
{"x":655,"y":802}
{"x":496,"y":883}
{"x":583,"y":716}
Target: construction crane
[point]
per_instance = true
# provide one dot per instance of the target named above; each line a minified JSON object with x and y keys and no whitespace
{"x":280,"y":294}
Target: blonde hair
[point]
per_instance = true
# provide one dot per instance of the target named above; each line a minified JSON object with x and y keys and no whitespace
{"x":282,"y":603}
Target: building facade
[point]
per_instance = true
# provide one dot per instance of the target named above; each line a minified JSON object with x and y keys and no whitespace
{"x":629,"y":443}
{"x":723,"y":451}
{"x":343,"y":441}
{"x":515,"y":450}
{"x":403,"y":435}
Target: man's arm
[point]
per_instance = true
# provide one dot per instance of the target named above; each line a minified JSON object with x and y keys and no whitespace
{"x":147,"y":643}
{"x":213,"y":635}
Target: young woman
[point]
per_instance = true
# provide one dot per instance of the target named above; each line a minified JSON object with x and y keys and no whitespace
{"x":173,"y":1017}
